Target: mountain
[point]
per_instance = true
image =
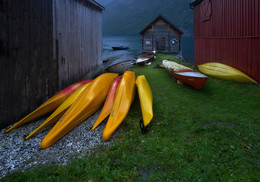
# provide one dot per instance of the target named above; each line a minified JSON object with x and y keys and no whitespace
{"x":129,"y":17}
{"x":104,"y":2}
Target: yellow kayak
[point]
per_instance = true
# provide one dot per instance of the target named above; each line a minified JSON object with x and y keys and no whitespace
{"x":146,"y":100}
{"x":107,"y":108}
{"x":49,"y":105}
{"x":90,"y":101}
{"x":57,"y":114}
{"x":124,"y":97}
{"x":225,"y":72}
{"x":173,"y":65}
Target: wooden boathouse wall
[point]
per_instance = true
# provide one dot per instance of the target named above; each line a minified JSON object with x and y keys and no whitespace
{"x":78,"y":34}
{"x":228,"y":32}
{"x":44,"y":47}
{"x":159,"y":35}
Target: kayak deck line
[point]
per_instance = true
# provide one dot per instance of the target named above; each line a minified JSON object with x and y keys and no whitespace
{"x":107,"y":108}
{"x":50,"y":105}
{"x":225,"y":72}
{"x":123,"y":99}
{"x":146,"y":101}
{"x":89,"y":102}
{"x":57,"y":114}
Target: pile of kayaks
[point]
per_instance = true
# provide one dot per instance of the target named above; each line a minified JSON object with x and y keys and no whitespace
{"x":183,"y":74}
{"x":115,"y":94}
{"x":71,"y":106}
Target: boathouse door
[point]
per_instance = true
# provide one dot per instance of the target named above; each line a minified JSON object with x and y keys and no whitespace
{"x":160,"y":43}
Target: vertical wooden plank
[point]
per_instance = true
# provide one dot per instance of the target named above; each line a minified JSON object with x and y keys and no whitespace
{"x":255,"y":69}
{"x":29,"y":58}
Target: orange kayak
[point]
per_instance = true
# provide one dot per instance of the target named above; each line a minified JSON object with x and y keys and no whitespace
{"x":124,"y":97}
{"x":57,"y":114}
{"x":50,"y":105}
{"x":107,"y":108}
{"x":89,"y":102}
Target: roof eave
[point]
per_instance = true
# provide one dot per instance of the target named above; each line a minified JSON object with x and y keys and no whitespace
{"x":194,"y":3}
{"x":92,"y":3}
{"x":97,"y":4}
{"x":160,"y":16}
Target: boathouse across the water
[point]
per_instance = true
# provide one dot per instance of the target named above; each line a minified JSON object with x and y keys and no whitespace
{"x":162,"y":36}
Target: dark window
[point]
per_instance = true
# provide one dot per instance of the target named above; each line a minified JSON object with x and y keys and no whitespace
{"x":205,"y":10}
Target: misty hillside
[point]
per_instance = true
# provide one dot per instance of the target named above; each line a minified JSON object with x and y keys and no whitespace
{"x":128,"y":17}
{"x":104,"y":2}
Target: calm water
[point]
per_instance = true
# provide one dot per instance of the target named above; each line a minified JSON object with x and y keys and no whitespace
{"x":135,"y":49}
{"x":133,"y":42}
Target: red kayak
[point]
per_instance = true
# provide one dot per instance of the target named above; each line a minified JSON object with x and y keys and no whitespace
{"x":107,"y":108}
{"x":189,"y":77}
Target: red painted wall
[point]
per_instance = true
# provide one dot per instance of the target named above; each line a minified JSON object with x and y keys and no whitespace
{"x":228,"y":32}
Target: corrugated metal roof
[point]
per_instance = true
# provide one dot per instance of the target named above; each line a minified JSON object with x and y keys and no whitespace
{"x":164,"y":19}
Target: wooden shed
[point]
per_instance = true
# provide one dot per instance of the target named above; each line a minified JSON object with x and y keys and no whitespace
{"x":45,"y":45}
{"x":228,"y":32}
{"x":162,"y":36}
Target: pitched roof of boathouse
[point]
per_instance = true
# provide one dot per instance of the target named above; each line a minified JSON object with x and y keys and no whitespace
{"x":165,"y":20}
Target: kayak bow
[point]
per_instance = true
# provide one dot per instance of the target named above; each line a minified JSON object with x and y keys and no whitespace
{"x":50,"y":105}
{"x":107,"y":108}
{"x":89,"y":102}
{"x":57,"y":114}
{"x":123,"y":100}
{"x":146,"y":100}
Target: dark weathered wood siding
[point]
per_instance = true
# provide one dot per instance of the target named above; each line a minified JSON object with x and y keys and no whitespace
{"x":45,"y":45}
{"x":158,"y":37}
{"x":28,"y":72}
{"x":78,"y":35}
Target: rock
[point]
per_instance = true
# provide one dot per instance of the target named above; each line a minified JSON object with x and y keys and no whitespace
{"x":16,"y":154}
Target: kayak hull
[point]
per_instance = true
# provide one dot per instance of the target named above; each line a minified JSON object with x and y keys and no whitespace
{"x":89,"y":102}
{"x":123,"y":100}
{"x":146,"y":58}
{"x":146,"y":99}
{"x":107,"y":108}
{"x":185,"y":74}
{"x":50,"y":105}
{"x":189,"y":77}
{"x":225,"y":72}
{"x":173,"y":65}
{"x":57,"y":114}
{"x":120,"y":67}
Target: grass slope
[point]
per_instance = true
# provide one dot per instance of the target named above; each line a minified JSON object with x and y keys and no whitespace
{"x":210,"y":134}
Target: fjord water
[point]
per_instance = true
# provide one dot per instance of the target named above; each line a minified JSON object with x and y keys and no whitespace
{"x":133,"y":42}
{"x":135,"y":48}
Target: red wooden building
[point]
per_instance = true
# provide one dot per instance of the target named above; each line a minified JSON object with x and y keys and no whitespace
{"x":228,"y":32}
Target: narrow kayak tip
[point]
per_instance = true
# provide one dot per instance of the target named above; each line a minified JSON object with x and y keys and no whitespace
{"x":144,"y":129}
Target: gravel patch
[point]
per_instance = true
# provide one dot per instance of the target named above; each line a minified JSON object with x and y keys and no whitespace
{"x":16,"y":154}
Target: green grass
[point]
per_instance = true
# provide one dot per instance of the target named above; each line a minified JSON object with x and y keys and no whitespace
{"x":210,"y":134}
